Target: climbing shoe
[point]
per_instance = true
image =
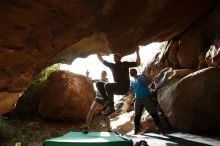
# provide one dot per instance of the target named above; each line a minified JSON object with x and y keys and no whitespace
{"x":85,"y":130}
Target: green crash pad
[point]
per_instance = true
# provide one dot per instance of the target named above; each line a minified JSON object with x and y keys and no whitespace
{"x":90,"y":139}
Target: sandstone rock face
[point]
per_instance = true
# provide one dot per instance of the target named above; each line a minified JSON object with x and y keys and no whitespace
{"x":192,"y":103}
{"x":9,"y":103}
{"x":66,"y":96}
{"x":157,"y":64}
{"x":188,"y":49}
{"x":36,"y":34}
{"x":191,"y":44}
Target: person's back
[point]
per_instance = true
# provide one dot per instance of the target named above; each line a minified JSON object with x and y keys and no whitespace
{"x":120,"y":71}
{"x":142,"y":99}
{"x":140,"y":86}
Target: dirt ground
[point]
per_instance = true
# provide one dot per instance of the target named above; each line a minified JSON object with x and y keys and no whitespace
{"x":34,"y":132}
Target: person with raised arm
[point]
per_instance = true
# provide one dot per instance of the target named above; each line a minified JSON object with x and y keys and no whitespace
{"x":121,"y":84}
{"x":99,"y":100}
{"x":140,"y":88}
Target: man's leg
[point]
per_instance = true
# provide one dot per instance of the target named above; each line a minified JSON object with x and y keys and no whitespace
{"x":115,"y":88}
{"x":138,"y":108}
{"x":111,"y":89}
{"x":151,"y":108}
{"x":101,"y":88}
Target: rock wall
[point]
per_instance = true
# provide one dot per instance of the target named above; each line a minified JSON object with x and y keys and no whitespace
{"x":192,"y":48}
{"x":37,"y":34}
{"x":192,"y":103}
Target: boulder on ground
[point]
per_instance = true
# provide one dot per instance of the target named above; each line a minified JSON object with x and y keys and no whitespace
{"x":192,"y":103}
{"x":66,"y":96}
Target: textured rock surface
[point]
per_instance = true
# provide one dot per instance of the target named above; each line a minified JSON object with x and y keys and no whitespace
{"x":9,"y":103}
{"x":66,"y":96}
{"x":192,"y":103}
{"x":188,"y":49}
{"x":125,"y":123}
{"x":36,"y":34}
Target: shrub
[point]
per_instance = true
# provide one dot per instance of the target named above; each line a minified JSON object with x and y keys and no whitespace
{"x":40,"y":81}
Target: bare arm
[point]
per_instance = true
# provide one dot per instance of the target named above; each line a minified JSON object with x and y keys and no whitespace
{"x":131,"y":92}
{"x":100,"y":57}
{"x":138,"y":60}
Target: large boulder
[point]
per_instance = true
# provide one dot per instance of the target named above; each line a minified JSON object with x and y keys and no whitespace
{"x":192,"y":103}
{"x":66,"y":96}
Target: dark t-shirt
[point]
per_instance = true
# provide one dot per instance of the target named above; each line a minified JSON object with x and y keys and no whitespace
{"x":120,"y":70}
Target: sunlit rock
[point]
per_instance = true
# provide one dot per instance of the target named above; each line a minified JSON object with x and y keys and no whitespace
{"x":66,"y":96}
{"x":157,"y":64}
{"x":125,"y":123}
{"x":213,"y":54}
{"x":125,"y":104}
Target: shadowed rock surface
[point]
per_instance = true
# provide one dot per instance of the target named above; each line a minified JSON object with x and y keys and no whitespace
{"x":66,"y":96}
{"x":192,"y":103}
{"x":37,"y":34}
